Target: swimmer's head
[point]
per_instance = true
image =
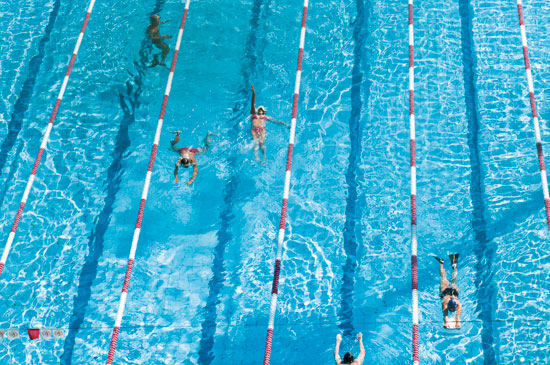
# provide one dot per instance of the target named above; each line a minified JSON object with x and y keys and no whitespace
{"x":262,"y":109}
{"x":155,"y":20}
{"x":452,"y":305}
{"x":185,"y":162}
{"x":348,"y":358}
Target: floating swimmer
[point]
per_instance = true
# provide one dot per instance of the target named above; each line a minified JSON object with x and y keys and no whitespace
{"x":153,"y":32}
{"x":187,"y":155}
{"x":449,"y":294}
{"x":348,"y":357}
{"x":259,"y":118}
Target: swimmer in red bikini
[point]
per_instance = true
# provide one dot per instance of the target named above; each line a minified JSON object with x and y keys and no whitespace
{"x":187,"y":155}
{"x":259,"y":118}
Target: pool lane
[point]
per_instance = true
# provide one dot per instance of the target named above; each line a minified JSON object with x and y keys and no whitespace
{"x":352,"y":235}
{"x":129,"y":102}
{"x":484,"y":252}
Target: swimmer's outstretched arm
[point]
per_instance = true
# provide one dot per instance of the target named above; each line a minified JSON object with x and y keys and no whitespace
{"x":273,"y":120}
{"x":445,"y":313}
{"x":164,"y":22}
{"x":337,"y":358}
{"x":458,"y":311}
{"x":195,"y":172}
{"x":252,"y":108}
{"x":176,"y":173}
{"x":361,"y":356}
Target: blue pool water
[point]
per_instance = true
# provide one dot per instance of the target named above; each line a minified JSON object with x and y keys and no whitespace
{"x":201,"y":284}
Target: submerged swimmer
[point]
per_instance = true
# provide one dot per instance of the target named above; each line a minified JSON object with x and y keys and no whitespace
{"x":153,"y":32}
{"x":187,"y":155}
{"x":348,"y":357}
{"x":259,"y":118}
{"x":449,"y":293}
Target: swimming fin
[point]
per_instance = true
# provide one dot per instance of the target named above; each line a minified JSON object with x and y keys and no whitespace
{"x":437,"y":258}
{"x":454,"y":259}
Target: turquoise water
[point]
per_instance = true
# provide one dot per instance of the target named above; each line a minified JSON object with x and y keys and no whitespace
{"x":201,"y":285}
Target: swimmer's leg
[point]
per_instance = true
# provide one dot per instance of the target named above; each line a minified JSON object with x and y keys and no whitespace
{"x":155,"y":61}
{"x":444,"y":283}
{"x":264,"y":161}
{"x":165,"y":49}
{"x":175,"y":140}
{"x":256,"y":150}
{"x":454,"y":262}
{"x":206,"y":141}
{"x":256,"y":145}
{"x":262,"y":146}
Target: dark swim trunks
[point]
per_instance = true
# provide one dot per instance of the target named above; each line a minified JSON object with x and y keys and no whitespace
{"x":449,"y":291}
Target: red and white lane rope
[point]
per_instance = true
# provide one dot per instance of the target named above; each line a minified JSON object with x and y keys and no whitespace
{"x":413,"y":189}
{"x":275,"y":287}
{"x":44,"y":140}
{"x":534,"y":113}
{"x":137,"y":230}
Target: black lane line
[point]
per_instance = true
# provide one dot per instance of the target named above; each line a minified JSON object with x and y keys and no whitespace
{"x":24,"y":99}
{"x":208,"y":326}
{"x":345,"y":314}
{"x":484,"y":251}
{"x":128,"y":103}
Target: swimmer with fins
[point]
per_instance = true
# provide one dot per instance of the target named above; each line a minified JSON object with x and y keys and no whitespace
{"x":449,"y":293}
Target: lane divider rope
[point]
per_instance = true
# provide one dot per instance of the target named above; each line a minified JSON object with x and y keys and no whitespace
{"x":45,"y":139}
{"x":135,"y":239}
{"x":534,"y":112}
{"x":414,"y":269}
{"x":275,"y":286}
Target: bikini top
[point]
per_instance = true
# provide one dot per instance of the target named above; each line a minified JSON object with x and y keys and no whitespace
{"x":262,"y":117}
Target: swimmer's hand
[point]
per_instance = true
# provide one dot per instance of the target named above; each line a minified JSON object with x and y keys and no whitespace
{"x":359,"y":336}
{"x":177,"y":180}
{"x":164,"y":22}
{"x":338,"y":338}
{"x":252,"y":87}
{"x":189,"y":182}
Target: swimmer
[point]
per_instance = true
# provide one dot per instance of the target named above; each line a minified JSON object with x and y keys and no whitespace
{"x":449,"y":294}
{"x":259,"y":118}
{"x":348,"y":357}
{"x":187,"y":155}
{"x":153,"y":32}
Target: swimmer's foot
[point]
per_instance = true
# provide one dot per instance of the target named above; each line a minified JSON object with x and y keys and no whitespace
{"x":264,"y":162}
{"x":438,"y":258}
{"x":176,"y":138}
{"x":454,"y":259}
{"x":155,"y":61}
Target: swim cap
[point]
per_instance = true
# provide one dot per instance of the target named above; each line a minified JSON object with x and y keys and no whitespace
{"x":451,"y":305}
{"x":261,"y":107}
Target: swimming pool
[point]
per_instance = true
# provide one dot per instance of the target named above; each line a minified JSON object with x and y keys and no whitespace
{"x":201,"y":283}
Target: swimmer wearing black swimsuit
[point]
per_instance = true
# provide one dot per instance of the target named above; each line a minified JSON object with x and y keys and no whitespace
{"x":449,"y":293}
